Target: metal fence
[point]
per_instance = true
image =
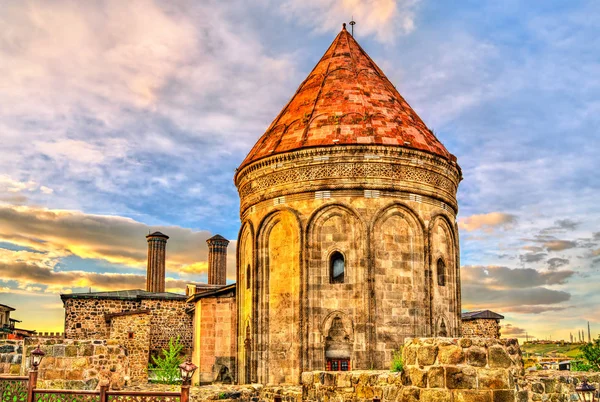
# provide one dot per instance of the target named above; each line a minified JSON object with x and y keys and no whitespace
{"x":23,"y":389}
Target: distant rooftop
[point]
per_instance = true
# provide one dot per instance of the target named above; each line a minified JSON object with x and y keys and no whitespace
{"x":135,"y":294}
{"x":9,"y":308}
{"x":481,"y":314}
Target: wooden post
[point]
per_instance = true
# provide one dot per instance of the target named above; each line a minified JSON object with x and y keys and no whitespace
{"x":103,"y":389}
{"x":185,"y":393}
{"x":31,"y":384}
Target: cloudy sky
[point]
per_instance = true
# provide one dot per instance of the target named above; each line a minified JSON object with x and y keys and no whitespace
{"x":117,"y":118}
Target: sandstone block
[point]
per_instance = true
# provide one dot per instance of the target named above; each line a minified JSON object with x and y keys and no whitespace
{"x":476,"y":356}
{"x":418,"y":377}
{"x":522,"y":396}
{"x":537,"y":387}
{"x":465,"y":342}
{"x":451,"y":354}
{"x":70,"y":351}
{"x":53,"y":375}
{"x":58,"y":350}
{"x":498,"y":357}
{"x":472,"y":395}
{"x":411,"y":394}
{"x":493,"y":379}
{"x":410,"y":355}
{"x":436,"y":377}
{"x":76,"y":374}
{"x":307,"y":379}
{"x":435,"y":395}
{"x":427,"y":354}
{"x":505,"y":395}
{"x":461,"y":378}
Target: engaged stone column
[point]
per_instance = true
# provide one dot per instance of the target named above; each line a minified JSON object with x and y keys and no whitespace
{"x":155,"y":274}
{"x":217,"y":260}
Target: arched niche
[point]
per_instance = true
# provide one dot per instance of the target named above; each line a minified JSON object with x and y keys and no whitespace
{"x":398,"y":246}
{"x":278,"y":290}
{"x":338,"y":341}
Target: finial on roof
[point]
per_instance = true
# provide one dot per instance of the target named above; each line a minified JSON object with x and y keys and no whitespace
{"x":352,"y":23}
{"x":344,"y":26}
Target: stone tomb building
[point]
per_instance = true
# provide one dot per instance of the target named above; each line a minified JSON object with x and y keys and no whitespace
{"x":348,"y":242}
{"x":481,"y":323}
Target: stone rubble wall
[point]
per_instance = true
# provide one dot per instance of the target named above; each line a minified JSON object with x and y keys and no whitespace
{"x":73,"y":364}
{"x":133,"y":333}
{"x":481,"y":328}
{"x":11,"y":356}
{"x":553,"y":385}
{"x":85,"y":319}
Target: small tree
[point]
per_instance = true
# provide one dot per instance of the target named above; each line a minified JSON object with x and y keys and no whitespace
{"x":167,"y":363}
{"x":591,"y":353}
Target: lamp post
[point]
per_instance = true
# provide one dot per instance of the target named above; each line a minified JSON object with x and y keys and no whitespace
{"x":585,"y":391}
{"x":35,"y":357}
{"x":187,"y":370}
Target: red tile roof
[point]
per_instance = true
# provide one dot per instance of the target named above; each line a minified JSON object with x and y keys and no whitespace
{"x":346,"y":99}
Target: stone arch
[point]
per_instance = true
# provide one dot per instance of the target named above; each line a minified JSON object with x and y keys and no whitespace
{"x":280,"y":251}
{"x":442,"y":327}
{"x":445,"y":300}
{"x":335,"y":227}
{"x":246,"y":299}
{"x":399,"y":279}
{"x":337,"y":336}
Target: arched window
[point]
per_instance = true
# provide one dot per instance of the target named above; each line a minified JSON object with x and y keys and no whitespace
{"x":441,"y":272}
{"x":443,"y":332}
{"x":337,"y":267}
{"x":248,"y":281}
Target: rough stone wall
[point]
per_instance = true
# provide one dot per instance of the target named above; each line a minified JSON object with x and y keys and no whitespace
{"x":72,"y":364}
{"x":214,"y":344}
{"x":550,"y":385}
{"x":390,"y":214}
{"x":11,"y":356}
{"x":132,"y":332}
{"x":481,"y":328}
{"x":84,"y":319}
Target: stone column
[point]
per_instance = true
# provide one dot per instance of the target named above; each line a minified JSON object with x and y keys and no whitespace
{"x":217,"y":260}
{"x":155,"y":275}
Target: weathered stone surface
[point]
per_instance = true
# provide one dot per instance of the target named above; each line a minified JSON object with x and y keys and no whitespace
{"x":507,"y":395}
{"x":472,"y":395}
{"x":460,"y":377}
{"x":435,"y":395}
{"x":498,"y":357}
{"x":493,"y":378}
{"x":451,"y":354}
{"x":436,"y":377}
{"x":427,"y":354}
{"x":411,"y":394}
{"x":409,"y":355}
{"x":418,"y":377}
{"x":477,"y":356}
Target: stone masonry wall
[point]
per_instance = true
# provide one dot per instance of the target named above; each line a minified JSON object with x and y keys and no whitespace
{"x":84,"y":319}
{"x":481,"y":328}
{"x":73,"y":364}
{"x":132,"y":331}
{"x":215,"y":346}
{"x":11,"y":356}
{"x":551,"y":385}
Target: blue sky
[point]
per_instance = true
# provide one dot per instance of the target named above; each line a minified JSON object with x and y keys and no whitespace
{"x":123,"y":117}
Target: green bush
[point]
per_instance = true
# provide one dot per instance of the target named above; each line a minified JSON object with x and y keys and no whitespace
{"x":589,"y":358}
{"x":580,"y":365}
{"x":397,"y":365}
{"x":166,"y":365}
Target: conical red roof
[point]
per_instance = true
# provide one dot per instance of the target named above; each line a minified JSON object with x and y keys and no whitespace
{"x":346,"y":100}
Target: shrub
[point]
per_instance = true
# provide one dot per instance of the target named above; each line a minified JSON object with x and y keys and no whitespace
{"x":166,"y":365}
{"x":397,"y":365}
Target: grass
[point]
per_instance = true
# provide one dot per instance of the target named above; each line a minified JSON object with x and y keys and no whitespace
{"x":569,"y":351}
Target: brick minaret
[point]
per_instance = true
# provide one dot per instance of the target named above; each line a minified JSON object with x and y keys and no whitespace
{"x":217,"y":260}
{"x":155,"y":275}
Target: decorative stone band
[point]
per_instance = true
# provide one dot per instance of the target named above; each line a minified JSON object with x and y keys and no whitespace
{"x":336,"y":168}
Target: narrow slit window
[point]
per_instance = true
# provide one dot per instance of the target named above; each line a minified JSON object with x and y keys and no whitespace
{"x":248,"y":280}
{"x":441,"y":272}
{"x":337,"y":268}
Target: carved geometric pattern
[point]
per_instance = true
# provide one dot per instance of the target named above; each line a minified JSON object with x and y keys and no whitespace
{"x":41,"y":396}
{"x":140,"y":397}
{"x":13,"y":390}
{"x":347,"y":170}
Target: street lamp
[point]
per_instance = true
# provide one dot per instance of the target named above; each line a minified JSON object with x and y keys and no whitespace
{"x":187,"y":370}
{"x":36,"y":357}
{"x":585,"y":391}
